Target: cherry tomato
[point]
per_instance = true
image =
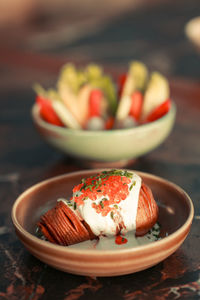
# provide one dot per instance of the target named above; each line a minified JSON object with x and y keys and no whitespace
{"x":95,"y":99}
{"x":109,"y":123}
{"x":159,"y":111}
{"x":47,"y":112}
{"x":136,"y":105}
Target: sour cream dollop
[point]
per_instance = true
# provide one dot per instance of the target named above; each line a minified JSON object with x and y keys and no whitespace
{"x":108,"y":202}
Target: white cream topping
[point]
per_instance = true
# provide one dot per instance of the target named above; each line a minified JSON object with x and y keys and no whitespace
{"x":124,"y":216}
{"x":104,"y":243}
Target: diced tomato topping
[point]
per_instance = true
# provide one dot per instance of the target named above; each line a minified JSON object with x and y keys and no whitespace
{"x":159,"y":111}
{"x":47,"y":112}
{"x":136,"y":105}
{"x":95,"y":99}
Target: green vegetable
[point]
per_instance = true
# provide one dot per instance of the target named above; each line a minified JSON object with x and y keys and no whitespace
{"x":50,"y":94}
{"x":71,"y":77}
{"x":93,"y":72}
{"x":138,"y":71}
{"x":97,"y":79}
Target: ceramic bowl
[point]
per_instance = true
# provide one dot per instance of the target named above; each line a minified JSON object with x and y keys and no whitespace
{"x":106,"y":147}
{"x":175,"y":218}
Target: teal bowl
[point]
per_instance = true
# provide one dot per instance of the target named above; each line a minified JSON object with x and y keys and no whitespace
{"x":116,"y":147}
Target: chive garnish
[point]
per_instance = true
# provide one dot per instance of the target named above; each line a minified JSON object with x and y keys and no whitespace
{"x":132,"y":185}
{"x":96,"y":181}
{"x":111,"y":214}
{"x":75,"y":205}
{"x":101,"y":203}
{"x":104,"y":199}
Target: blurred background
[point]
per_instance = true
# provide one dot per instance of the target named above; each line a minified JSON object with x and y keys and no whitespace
{"x":38,"y":36}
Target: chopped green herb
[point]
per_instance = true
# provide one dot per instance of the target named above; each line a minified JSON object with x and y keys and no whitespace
{"x":83,"y":187}
{"x":132,"y":185}
{"x":101,"y":203}
{"x":89,"y":187}
{"x":96,"y":181}
{"x":104,"y":199}
{"x":116,"y":172}
{"x":75,"y":205}
{"x":116,"y":206}
{"x":111,"y":214}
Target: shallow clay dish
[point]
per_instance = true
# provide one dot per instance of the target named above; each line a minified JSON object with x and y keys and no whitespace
{"x":175,"y":218}
{"x":105,"y":147}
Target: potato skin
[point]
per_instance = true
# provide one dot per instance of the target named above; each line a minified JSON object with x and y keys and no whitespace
{"x":61,"y":226}
{"x":147,"y":212}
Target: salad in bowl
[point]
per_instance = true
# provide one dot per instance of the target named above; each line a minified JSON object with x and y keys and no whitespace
{"x":104,"y":121}
{"x":89,"y":99}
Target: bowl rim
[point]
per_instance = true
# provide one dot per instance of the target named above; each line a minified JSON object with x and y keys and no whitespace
{"x":63,"y":130}
{"x":92,"y":252}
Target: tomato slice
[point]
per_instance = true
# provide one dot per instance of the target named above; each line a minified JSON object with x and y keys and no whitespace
{"x":159,"y":111}
{"x":136,"y":105}
{"x":47,"y":112}
{"x":95,"y":99}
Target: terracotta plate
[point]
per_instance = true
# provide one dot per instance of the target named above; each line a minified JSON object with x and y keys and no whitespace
{"x":175,"y":218}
